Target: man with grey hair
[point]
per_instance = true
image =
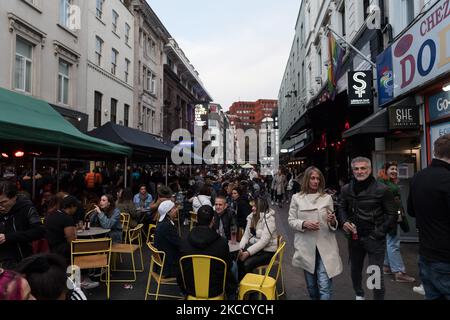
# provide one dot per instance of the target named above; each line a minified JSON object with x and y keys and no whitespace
{"x":429,"y":202}
{"x":367,"y":212}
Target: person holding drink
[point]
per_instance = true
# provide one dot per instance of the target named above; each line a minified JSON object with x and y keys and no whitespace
{"x":259,"y":242}
{"x":368,"y":211}
{"x":107,"y":216}
{"x":311,"y":215}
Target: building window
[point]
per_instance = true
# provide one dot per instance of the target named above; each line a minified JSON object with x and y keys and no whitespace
{"x":127,"y":69}
{"x":114,"y":55}
{"x":410,"y":14}
{"x":99,"y":9}
{"x":126,"y":115}
{"x":98,"y":109}
{"x":64,"y":12}
{"x":319,"y":61}
{"x":127,"y":33}
{"x":113,"y":110}
{"x":63,"y":82}
{"x":98,"y":50}
{"x":115,"y":19}
{"x":151,"y":82}
{"x":24,"y":64}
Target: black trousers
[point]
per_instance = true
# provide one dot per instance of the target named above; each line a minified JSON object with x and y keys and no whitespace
{"x":375,"y":250}
{"x":259,"y":259}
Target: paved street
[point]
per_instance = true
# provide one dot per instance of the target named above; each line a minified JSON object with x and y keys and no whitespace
{"x":294,"y":278}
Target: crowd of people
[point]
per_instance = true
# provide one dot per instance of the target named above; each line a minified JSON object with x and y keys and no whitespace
{"x":235,"y":205}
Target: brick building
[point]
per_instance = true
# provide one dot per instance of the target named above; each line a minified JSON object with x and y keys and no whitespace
{"x":251,"y":114}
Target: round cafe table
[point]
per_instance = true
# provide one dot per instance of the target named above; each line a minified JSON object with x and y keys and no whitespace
{"x":92,"y":232}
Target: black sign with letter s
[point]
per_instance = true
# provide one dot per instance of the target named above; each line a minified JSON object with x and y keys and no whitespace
{"x":360,"y":88}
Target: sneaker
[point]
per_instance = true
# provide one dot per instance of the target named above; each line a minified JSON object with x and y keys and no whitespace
{"x":419,"y":290}
{"x":403,"y":277}
{"x":387,"y":270}
{"x":89,"y":284}
{"x":360,"y":298}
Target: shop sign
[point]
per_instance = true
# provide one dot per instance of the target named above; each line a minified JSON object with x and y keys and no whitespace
{"x":360,"y":88}
{"x":436,"y":132}
{"x":422,"y":53}
{"x":201,"y":115}
{"x":439,"y":106}
{"x":401,"y":117}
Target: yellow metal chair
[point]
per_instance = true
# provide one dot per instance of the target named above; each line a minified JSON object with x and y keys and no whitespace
{"x":92,"y":254}
{"x":134,"y":235}
{"x":193,"y":219}
{"x":201,"y":269}
{"x":125,"y":221}
{"x":151,"y":233}
{"x":263,"y":284}
{"x":262,"y":269}
{"x":157,"y":261}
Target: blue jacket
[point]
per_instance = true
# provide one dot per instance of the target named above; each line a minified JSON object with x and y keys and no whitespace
{"x":147,"y":202}
{"x":112,"y":223}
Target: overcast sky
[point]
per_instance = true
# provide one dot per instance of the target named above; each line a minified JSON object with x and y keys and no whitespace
{"x":239,"y":47}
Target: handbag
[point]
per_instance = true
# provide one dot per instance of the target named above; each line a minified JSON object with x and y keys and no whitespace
{"x":403,"y":220}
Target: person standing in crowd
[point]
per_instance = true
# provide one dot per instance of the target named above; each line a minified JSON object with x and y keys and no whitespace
{"x":241,"y":206}
{"x":279,"y":186}
{"x":429,"y":203}
{"x":223,"y":218}
{"x":367,"y":212}
{"x":107,"y":216}
{"x":393,"y":262}
{"x":259,"y":242}
{"x":311,"y":215}
{"x":167,"y":238}
{"x":20,"y":225}
{"x":203,"y":240}
{"x":61,"y":227}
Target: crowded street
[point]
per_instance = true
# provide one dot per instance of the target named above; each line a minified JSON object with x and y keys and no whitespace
{"x":258,"y":151}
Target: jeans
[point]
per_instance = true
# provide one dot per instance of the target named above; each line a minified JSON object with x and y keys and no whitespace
{"x":261,"y":258}
{"x":318,"y":284}
{"x":393,"y":258}
{"x":358,"y":250}
{"x":435,"y":277}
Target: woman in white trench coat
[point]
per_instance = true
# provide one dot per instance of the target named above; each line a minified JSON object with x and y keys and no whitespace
{"x":311,"y":215}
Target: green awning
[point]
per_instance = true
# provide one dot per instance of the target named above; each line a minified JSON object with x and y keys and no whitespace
{"x":26,"y":119}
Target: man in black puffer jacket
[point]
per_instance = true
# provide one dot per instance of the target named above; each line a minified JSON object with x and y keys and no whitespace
{"x":367,"y":211}
{"x":20,"y":225}
{"x":203,"y":240}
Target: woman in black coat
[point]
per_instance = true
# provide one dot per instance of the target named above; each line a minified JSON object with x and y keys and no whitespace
{"x":241,"y":206}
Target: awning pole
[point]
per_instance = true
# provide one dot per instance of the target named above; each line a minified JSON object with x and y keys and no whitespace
{"x":167,"y":169}
{"x":33,"y":196}
{"x":58,"y":168}
{"x":125,"y":176}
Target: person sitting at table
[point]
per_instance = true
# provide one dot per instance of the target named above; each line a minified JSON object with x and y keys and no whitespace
{"x":259,"y":242}
{"x":163,"y":194}
{"x":47,"y":277}
{"x":14,"y":287}
{"x":107,"y":216}
{"x":143,"y":199}
{"x":167,"y":238}
{"x":223,"y":218}
{"x":204,"y":240}
{"x":125,"y":204}
{"x":61,"y":228}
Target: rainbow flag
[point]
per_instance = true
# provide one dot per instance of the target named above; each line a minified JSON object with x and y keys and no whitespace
{"x":336,"y":54}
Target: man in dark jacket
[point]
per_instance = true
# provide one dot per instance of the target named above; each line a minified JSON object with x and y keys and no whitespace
{"x":367,"y":212}
{"x":429,"y":202}
{"x":167,"y":238}
{"x":223,"y":218}
{"x":204,"y":240}
{"x":20,"y":225}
